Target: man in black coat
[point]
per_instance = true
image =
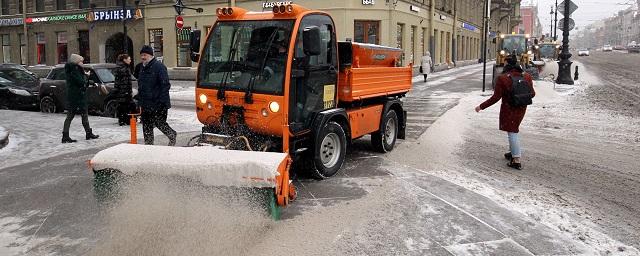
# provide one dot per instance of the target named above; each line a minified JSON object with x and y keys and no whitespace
{"x":153,"y":96}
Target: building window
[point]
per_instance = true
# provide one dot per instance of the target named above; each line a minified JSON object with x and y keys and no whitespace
{"x":83,"y":45}
{"x":184,"y":47}
{"x":367,"y":31}
{"x":5,"y":7}
{"x":19,"y":6}
{"x":399,"y":35}
{"x":155,"y":41}
{"x":6,"y":48}
{"x":39,"y":5}
{"x":422,"y":34}
{"x":40,"y":48}
{"x":84,"y":4}
{"x":23,"y":49}
{"x":61,"y":4}
{"x":62,"y":47}
{"x":412,"y":44}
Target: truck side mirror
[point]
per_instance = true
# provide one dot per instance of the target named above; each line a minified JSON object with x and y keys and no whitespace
{"x":311,"y":41}
{"x":195,"y":45}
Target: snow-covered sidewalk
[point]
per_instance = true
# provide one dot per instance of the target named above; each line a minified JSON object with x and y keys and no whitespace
{"x":35,"y":136}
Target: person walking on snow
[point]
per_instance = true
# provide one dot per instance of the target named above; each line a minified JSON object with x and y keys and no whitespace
{"x":510,"y":116}
{"x":123,"y":90}
{"x":77,"y":82}
{"x":153,"y":93}
{"x":425,"y":65}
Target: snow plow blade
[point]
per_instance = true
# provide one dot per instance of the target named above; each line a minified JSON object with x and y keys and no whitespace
{"x":212,"y":166}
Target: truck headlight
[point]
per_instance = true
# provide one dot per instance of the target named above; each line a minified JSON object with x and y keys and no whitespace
{"x":203,"y":98}
{"x":529,"y":52}
{"x":502,"y":52}
{"x":274,"y":107}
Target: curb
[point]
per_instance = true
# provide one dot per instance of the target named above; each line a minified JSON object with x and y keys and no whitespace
{"x":4,"y":137}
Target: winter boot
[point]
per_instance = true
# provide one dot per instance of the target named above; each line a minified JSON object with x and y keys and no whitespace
{"x":66,"y":139}
{"x":172,"y":140}
{"x":91,"y":136}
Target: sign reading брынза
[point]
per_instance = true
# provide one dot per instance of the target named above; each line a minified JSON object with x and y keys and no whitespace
{"x":114,"y":15}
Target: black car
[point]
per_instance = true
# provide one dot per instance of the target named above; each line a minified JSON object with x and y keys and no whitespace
{"x":18,"y":66}
{"x":99,"y":97}
{"x":18,"y":89}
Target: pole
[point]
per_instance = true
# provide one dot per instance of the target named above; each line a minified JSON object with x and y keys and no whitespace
{"x":551,"y":29}
{"x":555,"y":28}
{"x":24,"y":32}
{"x":125,"y":40}
{"x":485,"y":31}
{"x":564,"y":65}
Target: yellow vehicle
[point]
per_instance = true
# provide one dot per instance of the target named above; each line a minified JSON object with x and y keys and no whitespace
{"x":517,"y":44}
{"x":548,"y":50}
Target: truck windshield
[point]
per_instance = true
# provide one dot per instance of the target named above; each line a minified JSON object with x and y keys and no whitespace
{"x":514,"y":43}
{"x":547,"y":50}
{"x":246,"y":55}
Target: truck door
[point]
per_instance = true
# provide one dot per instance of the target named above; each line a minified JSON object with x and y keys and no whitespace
{"x":313,"y":76}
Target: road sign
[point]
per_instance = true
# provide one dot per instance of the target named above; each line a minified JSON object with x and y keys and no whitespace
{"x":572,"y":24}
{"x":572,"y":7}
{"x":179,"y":22}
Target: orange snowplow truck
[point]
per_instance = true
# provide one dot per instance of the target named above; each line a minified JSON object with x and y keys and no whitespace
{"x":281,"y":82}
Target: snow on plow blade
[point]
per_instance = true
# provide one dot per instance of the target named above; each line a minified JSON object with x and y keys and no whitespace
{"x":210,"y":165}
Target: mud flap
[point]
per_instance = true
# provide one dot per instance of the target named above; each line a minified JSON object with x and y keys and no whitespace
{"x":402,"y":131}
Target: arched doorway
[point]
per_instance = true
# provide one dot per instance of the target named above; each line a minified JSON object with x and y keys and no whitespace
{"x":114,"y":47}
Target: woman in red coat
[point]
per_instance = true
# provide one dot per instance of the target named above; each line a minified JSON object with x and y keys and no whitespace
{"x":510,"y":117}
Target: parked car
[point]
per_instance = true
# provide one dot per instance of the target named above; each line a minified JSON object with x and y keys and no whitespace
{"x":583,"y":52}
{"x":17,"y":66}
{"x":607,"y":48}
{"x":18,"y":88}
{"x":99,"y":97}
{"x":633,"y":47}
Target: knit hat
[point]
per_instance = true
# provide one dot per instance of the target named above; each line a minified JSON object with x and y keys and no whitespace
{"x":146,"y":49}
{"x":75,"y":58}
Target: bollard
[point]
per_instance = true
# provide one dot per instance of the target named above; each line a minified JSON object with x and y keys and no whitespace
{"x":575,"y":75}
{"x":133,"y":121}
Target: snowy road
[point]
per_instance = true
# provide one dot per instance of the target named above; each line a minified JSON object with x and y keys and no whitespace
{"x":443,"y":191}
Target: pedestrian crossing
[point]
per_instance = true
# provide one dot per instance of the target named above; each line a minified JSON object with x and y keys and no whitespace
{"x":422,"y":112}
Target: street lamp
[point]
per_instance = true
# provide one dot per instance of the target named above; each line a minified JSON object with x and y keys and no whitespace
{"x":555,"y":29}
{"x":551,"y":13}
{"x":564,"y":65}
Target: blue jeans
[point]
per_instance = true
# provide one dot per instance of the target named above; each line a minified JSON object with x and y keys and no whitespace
{"x":514,"y":144}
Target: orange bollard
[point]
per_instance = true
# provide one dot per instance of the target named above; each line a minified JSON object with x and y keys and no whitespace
{"x":133,"y":121}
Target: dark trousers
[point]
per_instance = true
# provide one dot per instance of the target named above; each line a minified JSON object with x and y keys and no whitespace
{"x":152,"y":118}
{"x":125,"y":107}
{"x":425,"y":77}
{"x":71,"y":114}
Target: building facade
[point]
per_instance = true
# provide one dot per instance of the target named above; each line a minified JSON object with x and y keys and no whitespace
{"x":530,"y":21}
{"x":59,"y":28}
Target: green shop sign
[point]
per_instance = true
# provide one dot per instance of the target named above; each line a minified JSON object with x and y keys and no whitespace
{"x":57,"y":18}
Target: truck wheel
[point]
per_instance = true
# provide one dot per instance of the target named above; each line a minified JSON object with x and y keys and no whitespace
{"x":384,"y":140}
{"x":330,"y":151}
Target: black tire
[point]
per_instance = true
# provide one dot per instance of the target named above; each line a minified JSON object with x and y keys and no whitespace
{"x":330,"y":151}
{"x":110,"y":109}
{"x":384,"y":140}
{"x":48,"y":105}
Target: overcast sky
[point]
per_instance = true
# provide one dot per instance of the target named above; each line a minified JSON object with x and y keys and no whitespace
{"x":588,"y":10}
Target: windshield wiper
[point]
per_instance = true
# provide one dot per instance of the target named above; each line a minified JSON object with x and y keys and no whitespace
{"x":225,"y":76}
{"x":248,"y":98}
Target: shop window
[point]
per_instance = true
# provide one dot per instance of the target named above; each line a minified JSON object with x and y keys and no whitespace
{"x":83,"y":45}
{"x":23,"y":49}
{"x":184,"y":48}
{"x":6,"y":48}
{"x":40,"y":49}
{"x":62,"y":47}
{"x":84,"y":4}
{"x":367,"y":31}
{"x":39,"y":5}
{"x":61,"y":4}
{"x":155,"y":41}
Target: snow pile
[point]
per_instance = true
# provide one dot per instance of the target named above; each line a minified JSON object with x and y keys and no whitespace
{"x":209,"y":165}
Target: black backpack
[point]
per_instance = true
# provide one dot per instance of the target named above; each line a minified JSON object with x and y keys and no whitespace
{"x":521,"y":93}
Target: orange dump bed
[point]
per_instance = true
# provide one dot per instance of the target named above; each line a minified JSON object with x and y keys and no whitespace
{"x":369,"y":71}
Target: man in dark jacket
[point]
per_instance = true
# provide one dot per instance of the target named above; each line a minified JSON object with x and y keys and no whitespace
{"x":153,"y":96}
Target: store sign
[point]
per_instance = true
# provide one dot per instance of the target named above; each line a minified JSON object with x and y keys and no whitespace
{"x":57,"y":18}
{"x":272,"y":4}
{"x":10,"y":22}
{"x":368,"y":2}
{"x":414,"y":8}
{"x":114,"y":15}
{"x":468,"y":27}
